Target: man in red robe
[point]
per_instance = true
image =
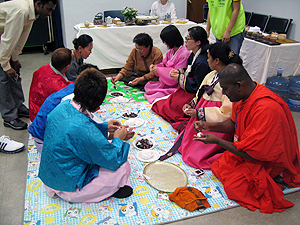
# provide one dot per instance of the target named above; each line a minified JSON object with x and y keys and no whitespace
{"x":48,"y":79}
{"x":265,"y":147}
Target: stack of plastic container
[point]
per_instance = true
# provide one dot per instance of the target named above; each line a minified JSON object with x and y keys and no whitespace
{"x":279,"y":84}
{"x":294,"y":93}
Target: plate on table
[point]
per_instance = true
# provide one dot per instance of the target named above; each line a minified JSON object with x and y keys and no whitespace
{"x":104,"y":25}
{"x":116,"y":93}
{"x":144,"y":143}
{"x":147,"y":155}
{"x":129,"y":115}
{"x":119,"y":99}
{"x":88,"y":26}
{"x":166,"y":22}
{"x":134,"y":122}
{"x":146,"y":17}
{"x":181,"y":21}
{"x":165,"y":176}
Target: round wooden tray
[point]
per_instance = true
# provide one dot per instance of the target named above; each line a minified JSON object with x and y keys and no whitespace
{"x":165,"y":176}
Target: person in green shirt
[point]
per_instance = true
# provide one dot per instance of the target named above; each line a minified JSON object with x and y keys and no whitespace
{"x":227,"y":20}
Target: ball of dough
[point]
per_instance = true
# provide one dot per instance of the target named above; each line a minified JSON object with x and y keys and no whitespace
{"x":199,"y":134}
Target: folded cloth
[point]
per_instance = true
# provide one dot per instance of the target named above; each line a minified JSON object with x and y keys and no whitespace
{"x":189,"y":198}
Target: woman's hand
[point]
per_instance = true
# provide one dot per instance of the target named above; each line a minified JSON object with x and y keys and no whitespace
{"x":116,"y":78}
{"x":186,"y":107}
{"x":121,"y":132}
{"x":174,"y":74}
{"x":136,"y":81}
{"x":130,"y":133}
{"x":113,"y":125}
{"x":191,"y":112}
{"x":153,"y":68}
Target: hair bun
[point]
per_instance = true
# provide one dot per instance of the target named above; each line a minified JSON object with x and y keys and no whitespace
{"x":75,"y":42}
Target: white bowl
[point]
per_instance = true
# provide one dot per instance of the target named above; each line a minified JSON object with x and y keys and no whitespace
{"x":144,"y":137}
{"x":119,"y":99}
{"x":127,"y":118}
{"x":134,"y":122}
{"x":86,"y":23}
{"x":147,"y":155}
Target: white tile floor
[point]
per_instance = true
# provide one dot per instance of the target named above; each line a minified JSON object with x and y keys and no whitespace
{"x":13,"y":170}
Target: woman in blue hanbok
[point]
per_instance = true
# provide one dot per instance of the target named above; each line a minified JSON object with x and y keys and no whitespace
{"x":78,"y":162}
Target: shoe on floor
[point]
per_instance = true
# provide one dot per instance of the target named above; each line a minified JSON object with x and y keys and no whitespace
{"x":15,"y":124}
{"x":123,"y":192}
{"x":23,"y":112}
{"x":9,"y":146}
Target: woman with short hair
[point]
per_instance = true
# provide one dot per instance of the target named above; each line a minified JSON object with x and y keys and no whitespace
{"x":78,"y":163}
{"x":136,"y":71}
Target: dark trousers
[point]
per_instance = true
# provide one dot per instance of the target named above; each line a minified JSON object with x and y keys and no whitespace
{"x":11,"y":96}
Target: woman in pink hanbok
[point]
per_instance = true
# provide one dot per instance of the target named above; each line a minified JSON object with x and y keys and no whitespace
{"x":209,"y":105}
{"x":176,"y":58}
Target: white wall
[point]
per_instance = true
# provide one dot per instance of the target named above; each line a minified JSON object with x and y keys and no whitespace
{"x":76,"y":11}
{"x":278,"y":8}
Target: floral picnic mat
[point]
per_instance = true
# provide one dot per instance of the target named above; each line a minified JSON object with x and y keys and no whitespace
{"x":146,"y":205}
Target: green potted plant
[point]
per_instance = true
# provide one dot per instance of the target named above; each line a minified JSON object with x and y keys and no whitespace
{"x":129,"y":14}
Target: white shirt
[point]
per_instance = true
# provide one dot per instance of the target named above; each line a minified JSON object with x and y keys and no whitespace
{"x":16,"y":18}
{"x":161,"y":10}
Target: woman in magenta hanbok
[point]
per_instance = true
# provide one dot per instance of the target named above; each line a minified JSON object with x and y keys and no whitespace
{"x":176,"y":58}
{"x":209,"y":105}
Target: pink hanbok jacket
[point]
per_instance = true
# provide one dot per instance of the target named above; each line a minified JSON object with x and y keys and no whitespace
{"x":166,"y":85}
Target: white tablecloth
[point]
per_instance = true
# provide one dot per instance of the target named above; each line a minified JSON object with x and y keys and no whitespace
{"x":262,"y":60}
{"x":113,"y":44}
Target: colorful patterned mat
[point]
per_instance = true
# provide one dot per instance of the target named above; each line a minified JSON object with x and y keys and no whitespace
{"x":131,"y":93}
{"x":146,"y":206}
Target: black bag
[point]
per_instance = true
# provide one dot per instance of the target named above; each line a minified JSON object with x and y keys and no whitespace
{"x":98,"y":19}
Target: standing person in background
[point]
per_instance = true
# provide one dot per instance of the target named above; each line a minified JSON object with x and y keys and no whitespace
{"x":161,"y":8}
{"x":16,"y":18}
{"x":227,"y":20}
{"x":82,"y":49}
